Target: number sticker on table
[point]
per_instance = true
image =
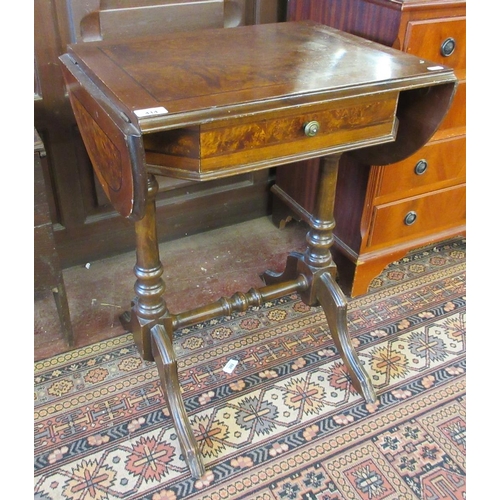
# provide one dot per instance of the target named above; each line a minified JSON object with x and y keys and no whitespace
{"x":141,"y":113}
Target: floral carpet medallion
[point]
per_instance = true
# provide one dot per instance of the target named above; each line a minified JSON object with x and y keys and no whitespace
{"x":286,"y":423}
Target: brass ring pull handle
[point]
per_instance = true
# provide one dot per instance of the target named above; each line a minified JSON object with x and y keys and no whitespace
{"x":421,"y":167}
{"x":311,"y":128}
{"x":448,"y":47}
{"x":410,"y":218}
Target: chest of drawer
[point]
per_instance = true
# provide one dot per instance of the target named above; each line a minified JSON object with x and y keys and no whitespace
{"x":418,"y":216}
{"x":440,"y":40}
{"x":219,"y":148}
{"x":438,"y":164}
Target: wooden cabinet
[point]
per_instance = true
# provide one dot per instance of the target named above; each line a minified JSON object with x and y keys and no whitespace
{"x":385,"y":211}
{"x":86,"y":227}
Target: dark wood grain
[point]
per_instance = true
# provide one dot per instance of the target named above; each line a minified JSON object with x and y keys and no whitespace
{"x":195,"y":77}
{"x":373,"y":20}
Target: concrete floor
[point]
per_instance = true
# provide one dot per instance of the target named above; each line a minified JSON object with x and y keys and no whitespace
{"x":198,"y":270}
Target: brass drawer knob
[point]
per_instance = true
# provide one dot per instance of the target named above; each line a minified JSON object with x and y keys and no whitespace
{"x":410,"y":218}
{"x":448,"y":47}
{"x":421,"y":167}
{"x":311,"y":128}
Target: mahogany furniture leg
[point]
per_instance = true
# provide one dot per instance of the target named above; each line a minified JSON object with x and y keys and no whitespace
{"x":164,"y":355}
{"x":151,"y":325}
{"x":148,"y":307}
{"x":334,"y":305}
{"x":320,"y":271}
{"x":324,"y":288}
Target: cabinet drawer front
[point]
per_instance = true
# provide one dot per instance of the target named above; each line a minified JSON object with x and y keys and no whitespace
{"x":418,"y":216}
{"x":433,"y":39}
{"x":219,"y":148}
{"x":438,"y":164}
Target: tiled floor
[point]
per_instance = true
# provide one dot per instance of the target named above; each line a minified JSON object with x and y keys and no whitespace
{"x":198,"y":270}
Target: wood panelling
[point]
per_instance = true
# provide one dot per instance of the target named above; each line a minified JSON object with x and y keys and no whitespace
{"x":49,"y":286}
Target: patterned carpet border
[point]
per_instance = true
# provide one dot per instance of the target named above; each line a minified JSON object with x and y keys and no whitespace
{"x":287,"y":422}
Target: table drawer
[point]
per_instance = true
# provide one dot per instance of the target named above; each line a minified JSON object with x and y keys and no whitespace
{"x":440,"y":40}
{"x":224,"y":147}
{"x":418,"y":216}
{"x":436,"y":165}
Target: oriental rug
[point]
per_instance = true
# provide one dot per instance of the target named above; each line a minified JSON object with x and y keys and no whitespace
{"x":285,"y":423}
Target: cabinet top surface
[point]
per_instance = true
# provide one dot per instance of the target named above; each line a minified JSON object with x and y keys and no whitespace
{"x":221,"y":72}
{"x":453,"y":3}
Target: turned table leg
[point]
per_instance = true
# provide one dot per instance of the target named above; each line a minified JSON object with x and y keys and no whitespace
{"x":148,"y":307}
{"x":317,"y":266}
{"x":324,"y":288}
{"x":151,"y":325}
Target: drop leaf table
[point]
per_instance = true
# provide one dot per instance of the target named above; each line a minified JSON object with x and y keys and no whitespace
{"x":218,"y":102}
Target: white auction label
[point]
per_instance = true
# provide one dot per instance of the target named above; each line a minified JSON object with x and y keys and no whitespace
{"x":230,"y":366}
{"x":141,"y":113}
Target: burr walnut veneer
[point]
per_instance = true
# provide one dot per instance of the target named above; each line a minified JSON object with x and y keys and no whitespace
{"x":215,"y":103}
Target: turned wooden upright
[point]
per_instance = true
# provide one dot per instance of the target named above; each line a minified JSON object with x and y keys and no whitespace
{"x":219,"y":102}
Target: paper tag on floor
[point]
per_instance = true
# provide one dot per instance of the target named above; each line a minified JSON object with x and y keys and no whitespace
{"x":230,"y":366}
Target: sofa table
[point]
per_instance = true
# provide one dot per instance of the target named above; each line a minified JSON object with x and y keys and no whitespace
{"x":214,"y":103}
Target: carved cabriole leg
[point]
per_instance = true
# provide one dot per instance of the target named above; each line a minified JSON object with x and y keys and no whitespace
{"x":151,"y":325}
